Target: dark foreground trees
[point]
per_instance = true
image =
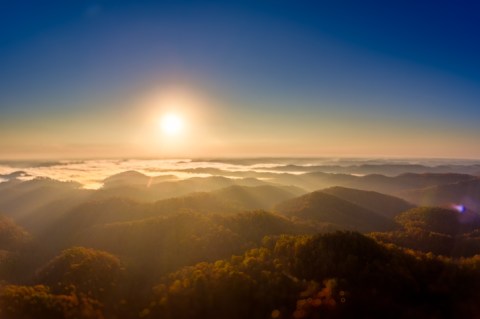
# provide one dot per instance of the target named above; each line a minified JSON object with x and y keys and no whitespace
{"x":27,"y":302}
{"x":340,"y":275}
{"x":334,"y":275}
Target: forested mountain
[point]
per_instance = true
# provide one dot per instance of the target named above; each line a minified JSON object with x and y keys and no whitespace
{"x":153,"y":189}
{"x":438,"y":230}
{"x":466,"y":193}
{"x":237,"y":248}
{"x":259,"y":197}
{"x":37,"y":203}
{"x":34,"y":204}
{"x":12,"y":236}
{"x":134,"y":178}
{"x":230,"y":200}
{"x":386,"y":205}
{"x":341,"y":275}
{"x":337,"y":275}
{"x":326,"y":208}
{"x":164,"y":244}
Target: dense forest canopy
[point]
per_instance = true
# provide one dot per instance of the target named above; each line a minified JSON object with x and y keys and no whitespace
{"x":310,"y":245}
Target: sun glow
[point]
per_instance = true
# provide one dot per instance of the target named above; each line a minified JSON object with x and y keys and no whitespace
{"x":174,"y":122}
{"x":171,"y":124}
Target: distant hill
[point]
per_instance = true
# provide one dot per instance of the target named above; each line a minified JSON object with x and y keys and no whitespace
{"x":252,"y":226}
{"x":438,"y":230}
{"x":326,"y":208}
{"x":465,"y":193}
{"x":13,"y":175}
{"x":258,"y":197}
{"x":34,"y":204}
{"x":230,"y":200}
{"x":431,"y":219}
{"x":134,"y":178}
{"x":383,"y":169}
{"x":386,"y":205}
{"x":374,"y":182}
{"x":153,"y":191}
{"x":147,"y":243}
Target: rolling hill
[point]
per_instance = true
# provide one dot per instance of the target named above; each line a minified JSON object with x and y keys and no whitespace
{"x":437,"y":230}
{"x":373,"y":182}
{"x":466,"y":193}
{"x":134,"y":178}
{"x":258,"y":197}
{"x":326,"y":208}
{"x":12,"y":236}
{"x":35,"y":204}
{"x":386,"y":205}
{"x":144,"y":188}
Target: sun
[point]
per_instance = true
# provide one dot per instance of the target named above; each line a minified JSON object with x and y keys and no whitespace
{"x":171,"y":124}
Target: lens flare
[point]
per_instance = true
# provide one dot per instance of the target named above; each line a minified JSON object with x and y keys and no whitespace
{"x":459,"y":208}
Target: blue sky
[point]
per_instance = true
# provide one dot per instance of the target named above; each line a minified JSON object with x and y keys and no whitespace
{"x":405,"y":71}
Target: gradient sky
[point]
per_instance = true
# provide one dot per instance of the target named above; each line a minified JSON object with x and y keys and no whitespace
{"x":250,"y":78}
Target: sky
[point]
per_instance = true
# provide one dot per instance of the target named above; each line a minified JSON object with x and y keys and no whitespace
{"x":83,"y":79}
